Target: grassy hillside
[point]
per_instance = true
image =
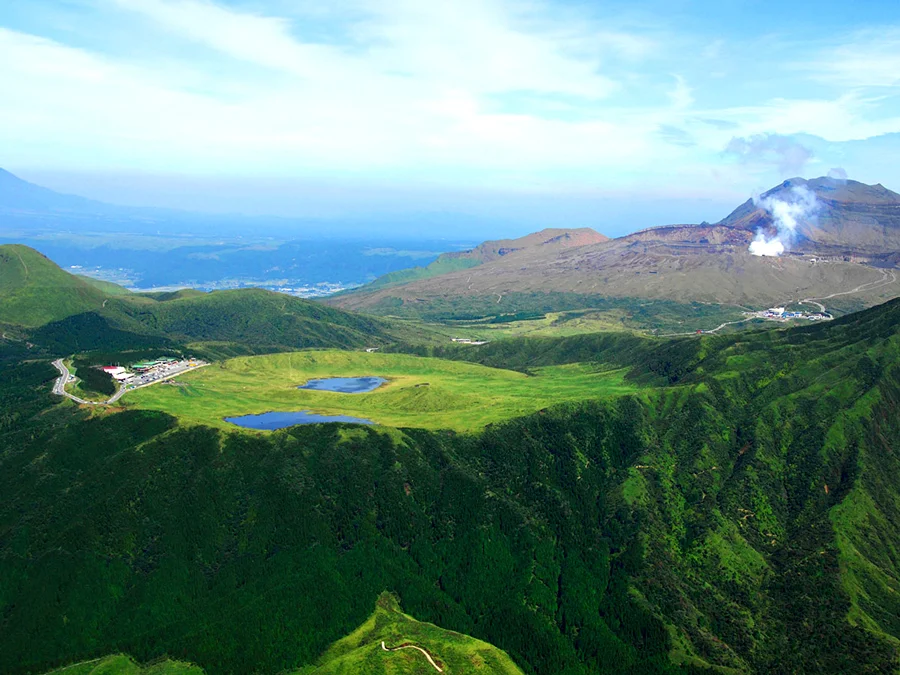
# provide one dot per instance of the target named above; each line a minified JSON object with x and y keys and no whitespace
{"x":64,"y":313}
{"x":34,"y":290}
{"x":360,"y":653}
{"x":443,"y":265}
{"x":740,"y":521}
{"x":106,"y":287}
{"x":421,"y":392}
{"x":253,"y":317}
{"x":120,"y":664}
{"x":363,"y":651}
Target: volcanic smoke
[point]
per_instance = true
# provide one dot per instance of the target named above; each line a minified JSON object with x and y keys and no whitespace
{"x":800,"y":206}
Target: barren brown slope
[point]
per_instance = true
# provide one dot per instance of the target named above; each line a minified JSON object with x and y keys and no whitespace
{"x":538,"y":244}
{"x":551,"y":238}
{"x":852,"y":240}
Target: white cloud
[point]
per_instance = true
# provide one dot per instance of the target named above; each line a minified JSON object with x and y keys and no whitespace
{"x":870,"y":58}
{"x":411,"y":87}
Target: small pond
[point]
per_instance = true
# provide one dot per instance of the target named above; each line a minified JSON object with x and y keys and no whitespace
{"x":279,"y":420}
{"x":345,"y":385}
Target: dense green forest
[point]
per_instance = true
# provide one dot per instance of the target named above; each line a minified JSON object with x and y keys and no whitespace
{"x":738,"y":516}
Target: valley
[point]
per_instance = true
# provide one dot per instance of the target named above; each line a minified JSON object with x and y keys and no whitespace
{"x":420,"y":392}
{"x":449,"y":338}
{"x":549,"y":482}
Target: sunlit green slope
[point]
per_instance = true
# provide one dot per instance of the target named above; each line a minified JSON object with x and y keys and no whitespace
{"x":65,"y":313}
{"x":386,"y":644}
{"x":120,"y":664}
{"x":34,"y":290}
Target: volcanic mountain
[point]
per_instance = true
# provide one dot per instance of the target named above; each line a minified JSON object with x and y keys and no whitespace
{"x":846,"y":248}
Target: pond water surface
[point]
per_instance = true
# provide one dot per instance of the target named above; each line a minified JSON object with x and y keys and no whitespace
{"x":345,"y":385}
{"x":279,"y":420}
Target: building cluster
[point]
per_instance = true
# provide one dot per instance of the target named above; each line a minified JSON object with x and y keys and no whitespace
{"x":783,"y":314}
{"x":468,"y":341}
{"x":139,"y":373}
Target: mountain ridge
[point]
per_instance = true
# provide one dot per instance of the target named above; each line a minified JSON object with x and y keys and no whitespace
{"x":68,"y":313}
{"x":841,"y":248}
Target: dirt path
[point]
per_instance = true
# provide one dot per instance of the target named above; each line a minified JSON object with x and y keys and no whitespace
{"x":869,"y":286}
{"x":427,"y":655}
{"x":707,"y":332}
{"x":24,"y":266}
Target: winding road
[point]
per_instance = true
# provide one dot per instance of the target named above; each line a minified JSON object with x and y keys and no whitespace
{"x":888,"y":277}
{"x":59,"y":386}
{"x":869,"y":286}
{"x":427,"y":655}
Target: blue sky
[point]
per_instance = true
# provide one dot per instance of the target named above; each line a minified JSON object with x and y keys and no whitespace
{"x":614,"y":115}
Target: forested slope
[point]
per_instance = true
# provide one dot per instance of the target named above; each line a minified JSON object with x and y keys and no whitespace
{"x":741,"y":517}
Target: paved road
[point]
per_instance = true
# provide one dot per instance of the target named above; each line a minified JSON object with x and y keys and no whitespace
{"x":427,"y":655}
{"x":711,"y":330}
{"x":887,"y":278}
{"x":59,"y":386}
{"x":870,"y":286}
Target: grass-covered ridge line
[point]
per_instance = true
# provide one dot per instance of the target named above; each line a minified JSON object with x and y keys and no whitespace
{"x":121,"y":664}
{"x":372,"y":649}
{"x":421,"y":392}
{"x":64,"y":314}
{"x":363,"y":651}
{"x":35,"y":291}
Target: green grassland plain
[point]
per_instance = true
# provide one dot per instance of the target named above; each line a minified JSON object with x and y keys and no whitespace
{"x":421,"y":392}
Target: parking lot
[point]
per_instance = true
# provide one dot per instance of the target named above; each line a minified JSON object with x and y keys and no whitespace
{"x":162,"y":372}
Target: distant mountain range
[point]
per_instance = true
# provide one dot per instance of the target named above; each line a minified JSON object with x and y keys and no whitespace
{"x":26,"y":209}
{"x":846,"y":248}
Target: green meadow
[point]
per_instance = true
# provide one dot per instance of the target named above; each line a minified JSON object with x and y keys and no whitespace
{"x":421,"y":392}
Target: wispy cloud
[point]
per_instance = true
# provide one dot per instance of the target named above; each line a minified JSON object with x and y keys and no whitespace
{"x":477,"y":91}
{"x":784,"y":152}
{"x":869,"y":58}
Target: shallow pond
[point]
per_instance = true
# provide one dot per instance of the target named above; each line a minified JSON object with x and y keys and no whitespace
{"x":279,"y":420}
{"x":345,"y":385}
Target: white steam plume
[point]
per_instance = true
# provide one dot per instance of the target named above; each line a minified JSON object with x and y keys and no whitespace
{"x":787,"y":214}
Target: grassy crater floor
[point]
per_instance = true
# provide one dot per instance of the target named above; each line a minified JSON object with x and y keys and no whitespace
{"x":420,"y":392}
